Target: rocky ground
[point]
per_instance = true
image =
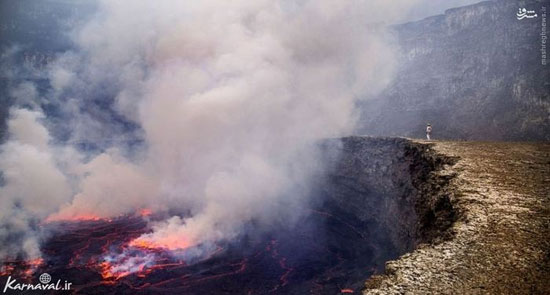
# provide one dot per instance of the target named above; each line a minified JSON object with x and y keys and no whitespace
{"x":500,"y":242}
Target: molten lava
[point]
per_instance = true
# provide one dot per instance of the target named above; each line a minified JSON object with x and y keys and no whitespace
{"x":173,"y":243}
{"x":24,"y":268}
{"x":139,"y":243}
{"x":119,"y":256}
{"x":145,"y":212}
{"x":107,"y":271}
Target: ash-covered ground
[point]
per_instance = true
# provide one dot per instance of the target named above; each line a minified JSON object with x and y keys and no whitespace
{"x":500,"y":242}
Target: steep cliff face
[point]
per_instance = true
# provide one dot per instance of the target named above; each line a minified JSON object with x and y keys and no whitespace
{"x":391,"y":186}
{"x":475,"y":72}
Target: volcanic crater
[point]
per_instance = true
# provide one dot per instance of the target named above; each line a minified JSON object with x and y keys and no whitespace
{"x":378,"y":200}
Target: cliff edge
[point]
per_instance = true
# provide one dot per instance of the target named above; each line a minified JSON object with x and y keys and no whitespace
{"x":500,"y":241}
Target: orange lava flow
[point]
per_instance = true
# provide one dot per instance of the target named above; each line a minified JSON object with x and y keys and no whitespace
{"x":7,"y":270}
{"x":145,"y":212}
{"x":138,"y":243}
{"x":171,"y":243}
{"x":35,"y":262}
{"x":107,"y":274}
{"x":29,"y":267}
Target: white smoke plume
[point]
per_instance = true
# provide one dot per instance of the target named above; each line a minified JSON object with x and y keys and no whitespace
{"x":34,"y":185}
{"x":230,"y":99}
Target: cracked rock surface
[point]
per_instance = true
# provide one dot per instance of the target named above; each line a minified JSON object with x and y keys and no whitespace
{"x":500,"y":240}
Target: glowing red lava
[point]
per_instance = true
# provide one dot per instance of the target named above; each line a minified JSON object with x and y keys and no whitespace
{"x":24,"y":268}
{"x":167,"y":243}
{"x":122,"y":256}
{"x":145,"y":212}
{"x":138,"y":262}
{"x":139,"y":243}
{"x":108,"y":274}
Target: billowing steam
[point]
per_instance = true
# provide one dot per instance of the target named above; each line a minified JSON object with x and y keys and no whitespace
{"x":34,"y":185}
{"x":228,"y":100}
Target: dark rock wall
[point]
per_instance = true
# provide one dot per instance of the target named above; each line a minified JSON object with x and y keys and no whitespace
{"x":475,"y":73}
{"x":393,"y":186}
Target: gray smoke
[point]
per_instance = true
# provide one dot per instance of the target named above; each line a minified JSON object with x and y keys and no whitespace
{"x":34,"y":185}
{"x":228,"y":98}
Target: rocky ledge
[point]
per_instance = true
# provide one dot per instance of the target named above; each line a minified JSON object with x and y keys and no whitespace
{"x":499,"y":240}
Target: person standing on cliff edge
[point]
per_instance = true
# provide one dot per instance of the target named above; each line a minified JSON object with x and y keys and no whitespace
{"x":428,"y":131}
